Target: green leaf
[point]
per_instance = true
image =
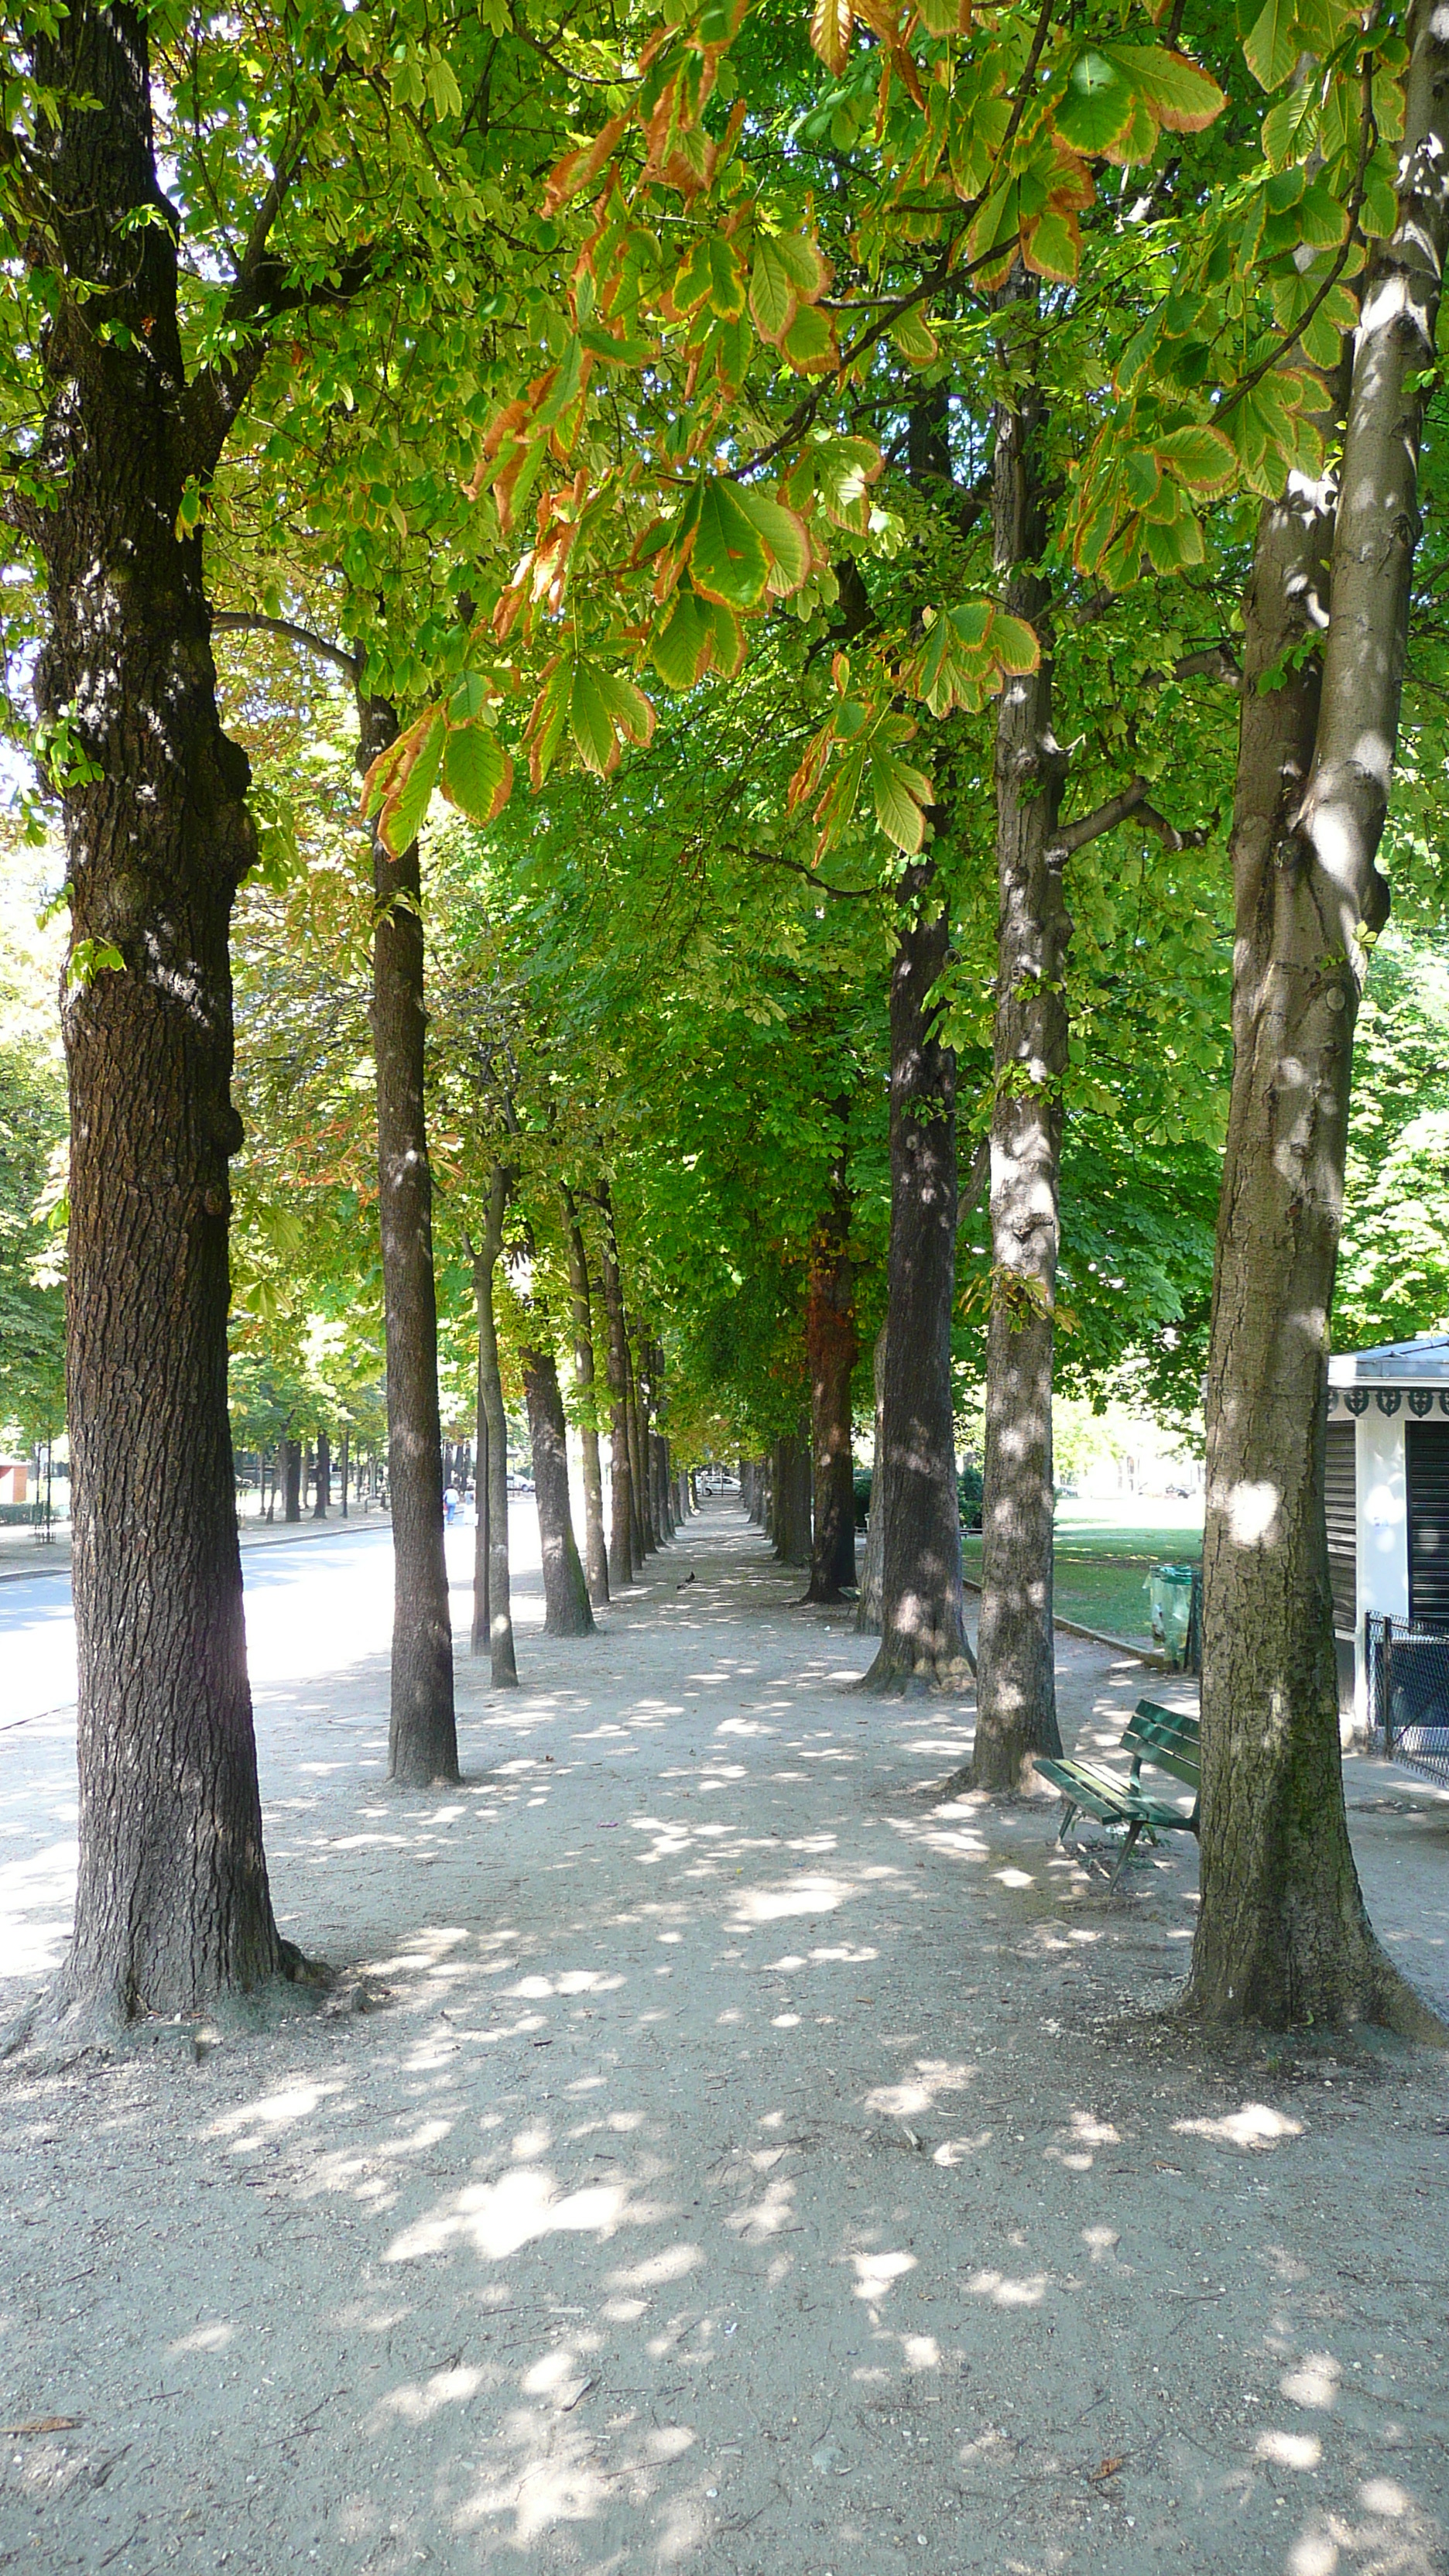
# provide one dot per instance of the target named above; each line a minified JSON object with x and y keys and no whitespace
{"x":786,"y":541}
{"x":477,"y":773}
{"x":913,"y":336}
{"x":901,"y":795}
{"x":1182,"y":97}
{"x":1098,"y":103}
{"x":1013,"y":644}
{"x":773,"y":297}
{"x":727,"y":560}
{"x":589,"y":722}
{"x":1200,"y":458}
{"x":680,"y":648}
{"x":1271,"y":44}
{"x":809,"y":343}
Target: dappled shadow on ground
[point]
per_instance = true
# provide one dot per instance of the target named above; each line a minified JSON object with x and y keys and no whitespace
{"x":749,"y":2169}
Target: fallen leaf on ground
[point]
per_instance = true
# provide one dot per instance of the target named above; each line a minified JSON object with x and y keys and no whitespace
{"x":1107,"y":2469}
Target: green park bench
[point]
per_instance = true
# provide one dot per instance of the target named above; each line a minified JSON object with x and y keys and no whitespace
{"x":1167,"y":1740}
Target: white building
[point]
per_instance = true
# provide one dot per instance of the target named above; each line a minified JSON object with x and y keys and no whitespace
{"x":1387,"y":1490}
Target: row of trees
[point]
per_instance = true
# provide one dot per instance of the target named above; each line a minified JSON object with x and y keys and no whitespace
{"x":1003,"y":441}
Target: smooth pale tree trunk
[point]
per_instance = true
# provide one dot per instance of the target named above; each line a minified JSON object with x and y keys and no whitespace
{"x":492,"y":1593}
{"x":324,"y":1477}
{"x":622,"y":1559}
{"x":1283,"y":1937}
{"x":831,"y":1350}
{"x":868,"y":1606}
{"x":1016,"y":1711}
{"x":596,"y":1554}
{"x":565,"y":1593}
{"x":422,"y":1731}
{"x":922,"y":1628}
{"x":291,"y":1480}
{"x":172,"y":1904}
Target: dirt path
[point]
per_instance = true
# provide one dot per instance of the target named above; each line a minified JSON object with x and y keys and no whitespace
{"x":749,"y":2171}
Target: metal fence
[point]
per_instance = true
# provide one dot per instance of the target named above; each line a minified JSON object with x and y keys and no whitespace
{"x":1408,"y":1693}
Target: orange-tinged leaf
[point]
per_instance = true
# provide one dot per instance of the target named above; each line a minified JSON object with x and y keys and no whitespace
{"x":831,"y":22}
{"x":578,"y":169}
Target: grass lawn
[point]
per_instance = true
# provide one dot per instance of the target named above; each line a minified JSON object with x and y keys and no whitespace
{"x":1104,"y":1552}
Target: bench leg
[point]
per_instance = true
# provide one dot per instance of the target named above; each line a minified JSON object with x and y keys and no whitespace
{"x":1068,"y":1812}
{"x":1133,"y":1830}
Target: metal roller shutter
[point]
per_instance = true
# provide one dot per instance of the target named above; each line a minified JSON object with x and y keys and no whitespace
{"x":1340,"y":1497}
{"x":1426,"y":1464}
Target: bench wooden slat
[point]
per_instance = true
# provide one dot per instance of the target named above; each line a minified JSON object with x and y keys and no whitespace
{"x":1166,"y":1739}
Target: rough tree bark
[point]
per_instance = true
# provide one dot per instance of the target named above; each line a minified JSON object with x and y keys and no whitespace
{"x":1016,"y":1710}
{"x":596,"y":1555}
{"x":492,"y":1596}
{"x":831,"y":1350}
{"x":565,"y":1593}
{"x":291,"y":1480}
{"x":790,"y":1484}
{"x":422,"y":1732}
{"x":324,"y":1477}
{"x":1283,"y":1936}
{"x":914,"y":1482}
{"x":621,"y":1482}
{"x":172,"y":1904}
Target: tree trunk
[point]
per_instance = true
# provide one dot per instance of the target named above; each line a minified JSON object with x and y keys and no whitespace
{"x":868,"y":1607}
{"x":172,"y":1905}
{"x":324,"y":1477}
{"x":922,"y":1629}
{"x":345,"y":1464}
{"x":565,"y":1593}
{"x":291,"y":1480}
{"x":621,"y":1482}
{"x":645,"y":1541}
{"x":792,"y":1497}
{"x":492,"y":1594}
{"x":596,"y":1555}
{"x":831,"y":1349}
{"x":422,"y":1734}
{"x":1283,"y":1936}
{"x":1016,"y":1711}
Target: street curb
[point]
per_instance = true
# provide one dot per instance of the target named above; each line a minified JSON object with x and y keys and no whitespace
{"x":1098,"y":1637}
{"x":307,"y":1538}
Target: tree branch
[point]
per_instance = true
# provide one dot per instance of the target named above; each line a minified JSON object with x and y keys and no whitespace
{"x":842,"y":894}
{"x":1129,"y":800}
{"x":239,"y":620}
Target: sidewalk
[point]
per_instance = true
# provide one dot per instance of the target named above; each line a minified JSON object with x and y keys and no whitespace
{"x":22,"y":1557}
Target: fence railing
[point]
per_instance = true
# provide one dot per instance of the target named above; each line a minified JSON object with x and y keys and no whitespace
{"x":1408,"y":1693}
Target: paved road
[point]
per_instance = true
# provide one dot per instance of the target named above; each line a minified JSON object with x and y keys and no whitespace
{"x":312,"y":1608}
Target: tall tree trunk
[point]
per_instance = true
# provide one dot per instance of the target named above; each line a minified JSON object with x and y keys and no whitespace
{"x":644,"y":1541}
{"x":922,"y":1629}
{"x":346,"y":1461}
{"x":831,"y":1350}
{"x":1283,"y":1936}
{"x":1016,"y":1709}
{"x":324,"y":1477}
{"x":422,"y":1734}
{"x":565,"y":1593}
{"x":791,"y":1524}
{"x":596,"y":1555}
{"x":492,"y":1593}
{"x":291,"y":1480}
{"x":621,"y":1481}
{"x":868,"y":1607}
{"x":172,"y":1905}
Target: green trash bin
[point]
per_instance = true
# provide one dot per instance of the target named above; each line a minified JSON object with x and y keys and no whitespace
{"x":1170,"y":1591}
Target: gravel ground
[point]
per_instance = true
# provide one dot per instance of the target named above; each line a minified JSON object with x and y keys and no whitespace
{"x":751,"y":2164}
